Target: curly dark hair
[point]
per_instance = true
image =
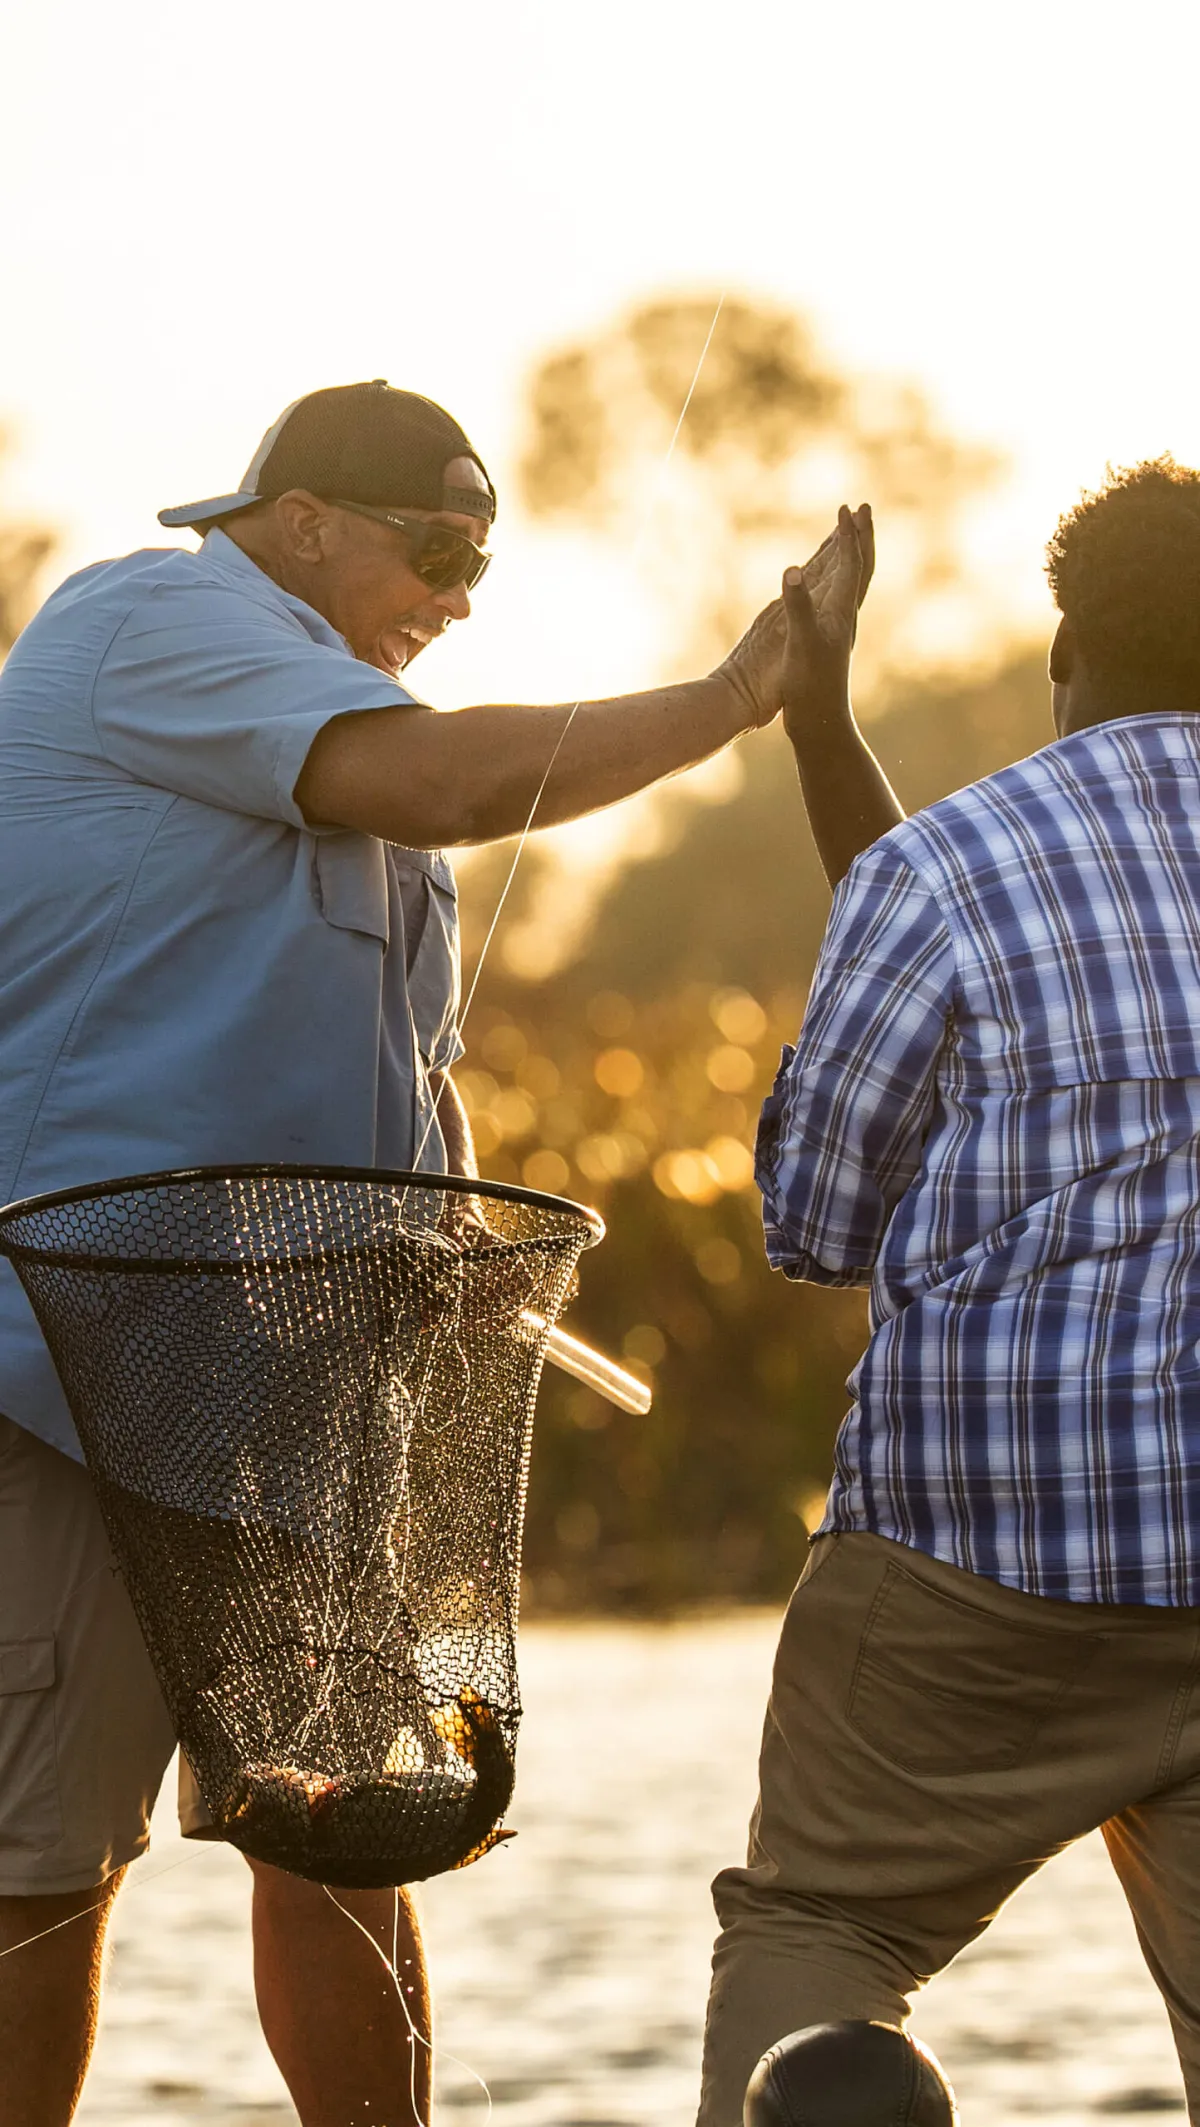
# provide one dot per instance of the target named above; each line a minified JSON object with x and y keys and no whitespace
{"x":1124,"y":567}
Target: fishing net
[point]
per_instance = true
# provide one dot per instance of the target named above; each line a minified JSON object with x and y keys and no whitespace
{"x":306,"y":1401}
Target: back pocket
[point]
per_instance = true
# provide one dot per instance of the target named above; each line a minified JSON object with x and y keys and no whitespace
{"x":939,"y":1687}
{"x":30,"y":1811}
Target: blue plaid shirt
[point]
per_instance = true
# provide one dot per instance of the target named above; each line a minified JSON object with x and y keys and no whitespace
{"x":993,"y":1118}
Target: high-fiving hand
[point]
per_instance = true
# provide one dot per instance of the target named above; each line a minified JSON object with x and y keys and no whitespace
{"x":821,"y":602}
{"x":849,"y":800}
{"x":779,"y":658}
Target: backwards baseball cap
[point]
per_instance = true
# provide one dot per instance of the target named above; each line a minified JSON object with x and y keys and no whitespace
{"x":356,"y":443}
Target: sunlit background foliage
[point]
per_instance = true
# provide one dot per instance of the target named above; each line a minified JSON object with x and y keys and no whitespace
{"x":621,"y":1054}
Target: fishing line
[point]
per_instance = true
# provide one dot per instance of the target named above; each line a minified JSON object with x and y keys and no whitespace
{"x":392,"y":1969}
{"x":522,"y":839}
{"x":540,"y":793}
{"x":640,"y":535}
{"x":84,"y":1911}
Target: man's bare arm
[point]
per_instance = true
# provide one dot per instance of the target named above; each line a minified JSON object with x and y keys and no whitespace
{"x":432,"y":781}
{"x":849,"y":801}
{"x":847,"y":796}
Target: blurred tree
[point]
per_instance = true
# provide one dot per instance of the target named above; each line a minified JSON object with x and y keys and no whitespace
{"x":771,"y":442}
{"x":23,"y":549}
{"x":633,"y":1075}
{"x":632,"y":1078}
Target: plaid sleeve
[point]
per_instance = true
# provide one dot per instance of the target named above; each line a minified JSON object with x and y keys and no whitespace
{"x":842,"y":1130}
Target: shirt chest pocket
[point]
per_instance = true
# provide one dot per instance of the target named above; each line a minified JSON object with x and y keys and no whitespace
{"x":350,"y":879}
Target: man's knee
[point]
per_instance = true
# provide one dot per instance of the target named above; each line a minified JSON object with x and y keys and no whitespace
{"x":764,"y":1922}
{"x":758,"y":1900}
{"x":275,"y":1883}
{"x":284,"y":1883}
{"x":289,"y":1900}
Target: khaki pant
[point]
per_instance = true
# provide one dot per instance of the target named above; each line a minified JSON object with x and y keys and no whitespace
{"x":84,"y":1735}
{"x":931,"y":1739}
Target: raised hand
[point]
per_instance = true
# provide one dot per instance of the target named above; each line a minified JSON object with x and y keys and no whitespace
{"x":755,"y":666}
{"x":849,"y":799}
{"x":821,"y":602}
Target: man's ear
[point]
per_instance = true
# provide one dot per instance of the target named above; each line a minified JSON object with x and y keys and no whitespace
{"x":1063,"y":655}
{"x":303,"y":520}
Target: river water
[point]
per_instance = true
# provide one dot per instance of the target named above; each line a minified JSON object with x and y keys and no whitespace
{"x":571,"y":1964}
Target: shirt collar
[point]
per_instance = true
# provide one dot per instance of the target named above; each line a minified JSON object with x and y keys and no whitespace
{"x":224,"y":554}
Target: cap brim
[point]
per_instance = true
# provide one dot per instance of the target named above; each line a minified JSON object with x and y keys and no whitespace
{"x":204,"y":512}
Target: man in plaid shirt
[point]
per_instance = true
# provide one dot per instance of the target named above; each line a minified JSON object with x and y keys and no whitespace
{"x":992,"y":1118}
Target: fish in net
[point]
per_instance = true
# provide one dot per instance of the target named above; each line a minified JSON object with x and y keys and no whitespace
{"x":306,"y":1400}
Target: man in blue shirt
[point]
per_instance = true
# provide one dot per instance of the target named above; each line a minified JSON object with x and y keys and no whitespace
{"x":229,"y":936}
{"x":992,"y":1119}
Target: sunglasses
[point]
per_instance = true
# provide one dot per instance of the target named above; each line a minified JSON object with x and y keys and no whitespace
{"x":441,"y":558}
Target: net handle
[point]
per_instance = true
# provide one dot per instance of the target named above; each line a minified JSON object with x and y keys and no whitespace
{"x":586,"y":1364}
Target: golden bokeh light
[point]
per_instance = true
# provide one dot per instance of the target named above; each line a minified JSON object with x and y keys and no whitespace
{"x":546,"y":1170}
{"x":689,"y":1175}
{"x":739,"y":1016}
{"x":608,"y":1156}
{"x":539,"y":1076}
{"x":588,"y":1411}
{"x":620,"y":1072}
{"x":731,"y":1069}
{"x":732,"y":1162}
{"x":503,"y":1046}
{"x":645,"y":1342}
{"x":478,"y":1089}
{"x":610,"y":1014}
{"x":515,"y":1112}
{"x":719,"y":1261}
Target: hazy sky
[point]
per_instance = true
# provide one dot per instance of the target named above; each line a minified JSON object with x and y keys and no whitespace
{"x":212,"y":209}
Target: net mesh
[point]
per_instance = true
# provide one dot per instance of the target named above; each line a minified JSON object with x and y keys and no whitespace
{"x":306,"y":1402}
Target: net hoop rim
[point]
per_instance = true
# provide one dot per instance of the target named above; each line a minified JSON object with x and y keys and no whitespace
{"x":454,"y":1184}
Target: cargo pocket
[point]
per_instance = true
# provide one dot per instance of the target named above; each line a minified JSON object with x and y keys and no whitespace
{"x":30,"y":1809}
{"x":940,"y":1687}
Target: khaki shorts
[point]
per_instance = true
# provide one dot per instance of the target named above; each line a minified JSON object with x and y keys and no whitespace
{"x":85,"y":1737}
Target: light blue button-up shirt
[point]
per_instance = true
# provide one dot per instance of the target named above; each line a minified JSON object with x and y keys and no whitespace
{"x":189,"y":975}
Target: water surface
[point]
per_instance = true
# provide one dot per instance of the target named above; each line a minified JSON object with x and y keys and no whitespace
{"x":571,"y":1964}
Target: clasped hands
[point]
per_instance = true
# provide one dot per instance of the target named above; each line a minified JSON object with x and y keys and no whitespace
{"x":796,"y":655}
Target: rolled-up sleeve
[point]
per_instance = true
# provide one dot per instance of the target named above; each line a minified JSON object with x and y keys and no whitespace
{"x":210,"y":693}
{"x":842,"y":1130}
